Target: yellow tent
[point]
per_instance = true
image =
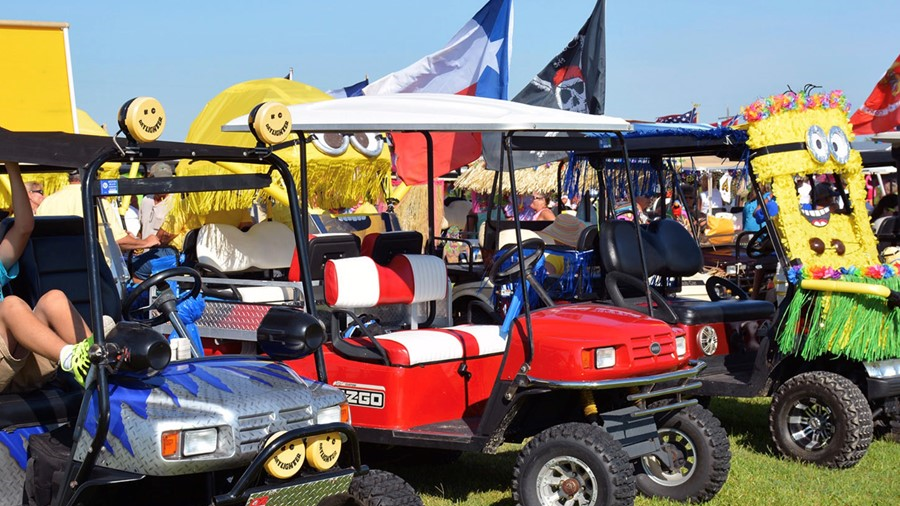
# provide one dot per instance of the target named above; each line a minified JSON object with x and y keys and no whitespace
{"x":335,"y":181}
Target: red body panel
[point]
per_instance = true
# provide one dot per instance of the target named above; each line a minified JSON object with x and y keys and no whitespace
{"x":413,"y":396}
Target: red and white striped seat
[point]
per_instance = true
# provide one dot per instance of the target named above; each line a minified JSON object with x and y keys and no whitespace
{"x":424,"y":346}
{"x":360,"y":282}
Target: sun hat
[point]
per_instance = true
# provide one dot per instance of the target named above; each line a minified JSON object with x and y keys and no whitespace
{"x":566,"y":230}
{"x":456,"y":213}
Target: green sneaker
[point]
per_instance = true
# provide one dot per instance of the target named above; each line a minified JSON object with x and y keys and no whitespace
{"x":78,"y":362}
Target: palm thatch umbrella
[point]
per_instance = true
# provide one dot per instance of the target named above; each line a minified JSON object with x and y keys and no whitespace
{"x":543,"y":178}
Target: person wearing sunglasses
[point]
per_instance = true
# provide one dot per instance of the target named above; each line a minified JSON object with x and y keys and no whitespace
{"x":35,"y":194}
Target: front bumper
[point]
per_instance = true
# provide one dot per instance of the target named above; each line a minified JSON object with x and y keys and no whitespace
{"x":301,"y":491}
{"x":880,"y":388}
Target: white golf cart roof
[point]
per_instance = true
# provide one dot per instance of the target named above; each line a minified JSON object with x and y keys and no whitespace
{"x":435,"y":112}
{"x":891,"y":137}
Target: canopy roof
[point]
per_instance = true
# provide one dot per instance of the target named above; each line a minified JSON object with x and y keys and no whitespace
{"x":435,"y":112}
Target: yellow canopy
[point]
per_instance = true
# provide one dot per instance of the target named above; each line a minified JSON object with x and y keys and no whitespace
{"x":335,"y":181}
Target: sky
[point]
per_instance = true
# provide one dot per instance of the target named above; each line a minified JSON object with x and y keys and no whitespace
{"x":662,"y":56}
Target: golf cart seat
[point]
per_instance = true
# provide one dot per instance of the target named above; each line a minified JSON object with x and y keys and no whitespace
{"x":322,"y":248}
{"x":671,"y":251}
{"x":55,"y":258}
{"x":383,"y":247}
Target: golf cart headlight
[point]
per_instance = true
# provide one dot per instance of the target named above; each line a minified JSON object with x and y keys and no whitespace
{"x":604,"y":357}
{"x":200,"y":442}
{"x":680,"y":346}
{"x":334,"y":414}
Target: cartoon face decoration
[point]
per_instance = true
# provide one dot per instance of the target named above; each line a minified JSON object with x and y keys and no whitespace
{"x":142,"y":118}
{"x":801,"y":147}
{"x":323,"y":451}
{"x":288,"y":460}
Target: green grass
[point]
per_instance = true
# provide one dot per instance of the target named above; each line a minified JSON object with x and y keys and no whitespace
{"x":758,"y":476}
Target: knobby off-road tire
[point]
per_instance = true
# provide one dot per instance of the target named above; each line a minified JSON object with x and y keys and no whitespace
{"x":822,"y":418}
{"x":377,"y":488}
{"x":705,"y":457}
{"x":573,"y":464}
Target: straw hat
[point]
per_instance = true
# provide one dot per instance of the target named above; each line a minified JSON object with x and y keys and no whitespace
{"x":565,"y":229}
{"x":457,"y":212}
{"x":509,"y":237}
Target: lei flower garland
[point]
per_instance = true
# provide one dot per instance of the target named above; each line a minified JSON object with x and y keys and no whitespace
{"x":882,"y":271}
{"x":791,"y":101}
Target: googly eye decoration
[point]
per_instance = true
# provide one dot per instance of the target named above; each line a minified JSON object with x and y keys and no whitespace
{"x":367,"y":143}
{"x":332,"y":144}
{"x":817,"y":144}
{"x":142,"y":119}
{"x":839,"y":145}
{"x":270,"y":123}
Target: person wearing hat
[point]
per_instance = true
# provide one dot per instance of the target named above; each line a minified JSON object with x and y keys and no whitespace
{"x":541,"y":206}
{"x":154,"y":209}
{"x":565,"y":230}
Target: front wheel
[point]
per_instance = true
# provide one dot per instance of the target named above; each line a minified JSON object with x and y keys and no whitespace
{"x":573,"y":464}
{"x":822,"y":418}
{"x":376,"y":488}
{"x":700,"y":453}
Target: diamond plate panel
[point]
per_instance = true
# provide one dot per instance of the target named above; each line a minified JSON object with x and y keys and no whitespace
{"x":233,"y":316}
{"x":305,"y":494}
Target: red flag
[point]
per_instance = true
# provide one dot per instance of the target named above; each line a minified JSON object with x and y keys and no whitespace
{"x":881,"y":112}
{"x":474,"y":62}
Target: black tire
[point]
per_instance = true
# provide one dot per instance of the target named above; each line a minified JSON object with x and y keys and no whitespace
{"x":595,"y":467}
{"x":822,"y":418}
{"x":376,"y":488}
{"x":695,"y":436}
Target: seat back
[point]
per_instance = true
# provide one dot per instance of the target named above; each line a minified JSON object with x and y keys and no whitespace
{"x":55,"y":258}
{"x":267,"y":245}
{"x":383,"y":247}
{"x":362,"y":282}
{"x":680,"y":252}
{"x":619,"y":250}
{"x":322,"y":248}
{"x":589,"y":239}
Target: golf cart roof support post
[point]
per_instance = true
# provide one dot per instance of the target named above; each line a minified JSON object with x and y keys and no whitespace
{"x":559,"y":175}
{"x":526,"y":307}
{"x":779,"y":248}
{"x":676,"y":187}
{"x":656,"y":162}
{"x":429,"y":149}
{"x":75,"y":472}
{"x":637,"y":223}
{"x":300,"y":214}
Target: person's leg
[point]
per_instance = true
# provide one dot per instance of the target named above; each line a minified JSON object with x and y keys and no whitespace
{"x":56,"y":311}
{"x":23,"y":329}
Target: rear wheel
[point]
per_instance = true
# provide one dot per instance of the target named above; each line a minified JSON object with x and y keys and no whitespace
{"x":376,"y":488}
{"x":573,"y":464}
{"x":701,"y":455}
{"x":822,"y":418}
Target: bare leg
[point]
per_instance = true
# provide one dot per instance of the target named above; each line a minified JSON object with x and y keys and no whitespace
{"x":56,"y":311}
{"x":21,"y":327}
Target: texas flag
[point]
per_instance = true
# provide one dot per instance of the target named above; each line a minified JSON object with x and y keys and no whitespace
{"x":881,"y":112}
{"x":474,"y":62}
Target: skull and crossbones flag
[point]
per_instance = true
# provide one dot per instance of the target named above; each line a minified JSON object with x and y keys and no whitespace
{"x":574,"y":80}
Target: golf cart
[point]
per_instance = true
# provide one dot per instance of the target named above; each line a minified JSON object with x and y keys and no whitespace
{"x":148,"y":429}
{"x":830,"y":374}
{"x":602,"y":392}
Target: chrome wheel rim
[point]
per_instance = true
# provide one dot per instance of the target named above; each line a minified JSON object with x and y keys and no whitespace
{"x":684,"y":451}
{"x":811,"y":424}
{"x":566,"y":481}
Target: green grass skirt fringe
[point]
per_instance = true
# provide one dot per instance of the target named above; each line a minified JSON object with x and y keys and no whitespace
{"x":858,"y":327}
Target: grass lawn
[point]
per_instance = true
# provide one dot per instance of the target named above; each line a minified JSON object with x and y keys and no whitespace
{"x":758,"y":476}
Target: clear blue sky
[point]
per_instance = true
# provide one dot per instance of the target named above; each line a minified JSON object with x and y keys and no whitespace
{"x":662,"y":56}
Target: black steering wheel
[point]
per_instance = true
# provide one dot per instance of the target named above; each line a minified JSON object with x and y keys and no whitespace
{"x":760,"y":244}
{"x":166,"y":302}
{"x":500,"y":276}
{"x":224,"y":291}
{"x":662,"y":311}
{"x":719,"y":288}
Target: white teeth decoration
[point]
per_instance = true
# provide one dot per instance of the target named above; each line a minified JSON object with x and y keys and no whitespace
{"x":817,"y":217}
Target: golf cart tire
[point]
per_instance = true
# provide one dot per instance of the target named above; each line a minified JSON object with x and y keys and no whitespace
{"x":378,"y":488}
{"x":701,"y":433}
{"x":851,"y":414}
{"x":586,"y":448}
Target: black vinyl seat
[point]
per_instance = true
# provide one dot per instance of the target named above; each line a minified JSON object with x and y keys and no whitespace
{"x":671,"y":251}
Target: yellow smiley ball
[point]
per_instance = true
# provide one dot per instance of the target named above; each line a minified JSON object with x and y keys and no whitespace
{"x":288,"y":460}
{"x":323,"y":451}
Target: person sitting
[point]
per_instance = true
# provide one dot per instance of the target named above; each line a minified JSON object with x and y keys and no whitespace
{"x":541,"y":206}
{"x":153,"y":212}
{"x":35,"y":193}
{"x":35,"y":341}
